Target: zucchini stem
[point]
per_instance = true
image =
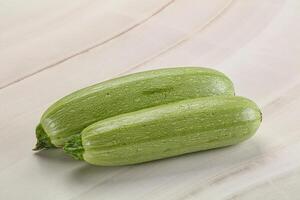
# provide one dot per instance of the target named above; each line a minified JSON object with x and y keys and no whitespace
{"x":43,"y":140}
{"x":74,"y":147}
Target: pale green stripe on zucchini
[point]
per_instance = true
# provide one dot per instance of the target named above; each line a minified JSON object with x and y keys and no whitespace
{"x":71,"y":114}
{"x":167,"y":130}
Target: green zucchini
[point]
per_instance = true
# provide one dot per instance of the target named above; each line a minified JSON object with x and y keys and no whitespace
{"x":71,"y":114}
{"x":166,"y":130}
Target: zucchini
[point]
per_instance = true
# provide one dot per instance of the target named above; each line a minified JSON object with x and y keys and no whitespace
{"x":166,"y":130}
{"x":71,"y":114}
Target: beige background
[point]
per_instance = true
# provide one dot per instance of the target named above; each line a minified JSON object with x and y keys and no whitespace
{"x":50,"y":48}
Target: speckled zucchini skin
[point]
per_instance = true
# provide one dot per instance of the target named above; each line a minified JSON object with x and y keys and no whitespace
{"x":167,"y":130}
{"x":71,"y":114}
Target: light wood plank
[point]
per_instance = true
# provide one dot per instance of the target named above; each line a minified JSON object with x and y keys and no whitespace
{"x":36,"y":36}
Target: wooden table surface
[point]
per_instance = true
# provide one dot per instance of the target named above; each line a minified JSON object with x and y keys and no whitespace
{"x":50,"y":48}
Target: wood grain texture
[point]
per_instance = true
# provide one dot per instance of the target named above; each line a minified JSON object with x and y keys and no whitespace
{"x":50,"y":48}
